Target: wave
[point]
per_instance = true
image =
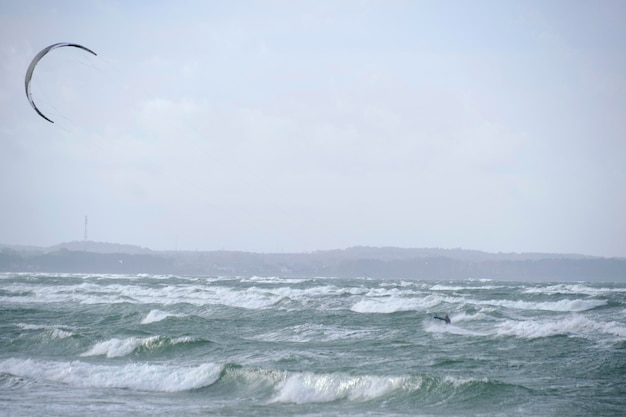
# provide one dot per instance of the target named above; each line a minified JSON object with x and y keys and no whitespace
{"x":307,"y":387}
{"x":275,"y":386}
{"x":401,"y":302}
{"x":395,"y":304}
{"x":12,"y":382}
{"x":155,"y":316}
{"x":199,"y":294}
{"x":136,"y":376}
{"x":575,"y":325}
{"x":432,"y":327}
{"x":115,"y":348}
{"x":96,"y":293}
{"x":52,"y":331}
{"x":312,"y":388}
{"x":307,"y":333}
{"x":280,"y":294}
{"x":479,"y":315}
{"x":441,"y":287}
{"x":565,"y":305}
{"x":252,"y":298}
{"x":572,"y":289}
{"x":274,"y":280}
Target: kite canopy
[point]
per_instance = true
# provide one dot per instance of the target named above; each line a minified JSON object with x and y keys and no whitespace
{"x":33,"y":64}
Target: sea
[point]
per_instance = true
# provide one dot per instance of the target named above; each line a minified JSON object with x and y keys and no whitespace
{"x":161,"y":345}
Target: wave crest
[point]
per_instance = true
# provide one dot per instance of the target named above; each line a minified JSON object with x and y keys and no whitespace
{"x":301,"y":388}
{"x":155,"y":316}
{"x":575,"y":325}
{"x":141,"y":377}
{"x":115,"y":348}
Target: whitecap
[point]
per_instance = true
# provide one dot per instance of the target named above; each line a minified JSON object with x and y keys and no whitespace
{"x":577,"y":288}
{"x":307,"y":387}
{"x":574,"y":325}
{"x":274,"y":280}
{"x":136,"y":376}
{"x":459,"y":382}
{"x":396,"y":304}
{"x":440,"y":328}
{"x":158,"y":315}
{"x":565,"y":305}
{"x":306,"y":333}
{"x":115,"y":348}
{"x":441,"y":287}
{"x":54,"y":331}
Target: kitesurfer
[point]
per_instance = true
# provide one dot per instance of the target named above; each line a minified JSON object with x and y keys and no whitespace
{"x":445,"y":318}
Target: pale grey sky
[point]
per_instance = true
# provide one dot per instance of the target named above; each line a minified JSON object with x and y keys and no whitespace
{"x":296,"y":126}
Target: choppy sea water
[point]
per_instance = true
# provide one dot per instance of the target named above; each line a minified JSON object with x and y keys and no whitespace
{"x":117,"y":345}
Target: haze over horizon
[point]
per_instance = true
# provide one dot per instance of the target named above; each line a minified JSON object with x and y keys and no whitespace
{"x":293,"y":127}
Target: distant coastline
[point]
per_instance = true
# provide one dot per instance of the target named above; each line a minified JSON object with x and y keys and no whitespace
{"x":375,"y":262}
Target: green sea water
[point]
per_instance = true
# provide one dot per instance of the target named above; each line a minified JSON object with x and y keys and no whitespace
{"x":118,"y":345}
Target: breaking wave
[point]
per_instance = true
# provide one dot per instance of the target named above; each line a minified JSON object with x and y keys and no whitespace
{"x":136,"y":376}
{"x":115,"y":348}
{"x":395,"y":304}
{"x":155,"y":316}
{"x":53,"y":331}
{"x":575,"y":325}
{"x":307,"y":387}
{"x":277,"y":386}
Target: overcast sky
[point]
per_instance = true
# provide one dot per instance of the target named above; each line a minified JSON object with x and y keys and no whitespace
{"x":284,"y":126}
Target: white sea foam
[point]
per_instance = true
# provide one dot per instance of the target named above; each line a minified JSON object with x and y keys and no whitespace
{"x":96,"y":293}
{"x":390,"y":292}
{"x":274,"y":280}
{"x":158,"y":315}
{"x":394,"y":304}
{"x":574,"y":325}
{"x":191,"y":292}
{"x":572,"y":289}
{"x":402,"y":284}
{"x":380,"y":299}
{"x":143,"y":377}
{"x":60,"y":334}
{"x":438,"y":327}
{"x":54,"y":331}
{"x":565,"y":305}
{"x":458,"y":382}
{"x":441,"y":287}
{"x":307,"y":387}
{"x":115,"y":348}
{"x":470,"y":317}
{"x":305,"y":333}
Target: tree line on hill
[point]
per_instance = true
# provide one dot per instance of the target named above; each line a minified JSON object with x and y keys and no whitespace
{"x":422,"y":264}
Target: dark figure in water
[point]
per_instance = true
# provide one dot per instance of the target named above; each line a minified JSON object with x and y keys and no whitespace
{"x":446,"y":319}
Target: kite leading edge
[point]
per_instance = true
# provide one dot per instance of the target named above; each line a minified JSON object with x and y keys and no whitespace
{"x":33,"y":64}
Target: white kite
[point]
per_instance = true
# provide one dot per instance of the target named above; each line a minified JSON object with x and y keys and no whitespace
{"x":33,"y":64}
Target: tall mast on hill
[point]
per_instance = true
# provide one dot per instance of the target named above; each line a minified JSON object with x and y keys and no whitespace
{"x":85,"y":236}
